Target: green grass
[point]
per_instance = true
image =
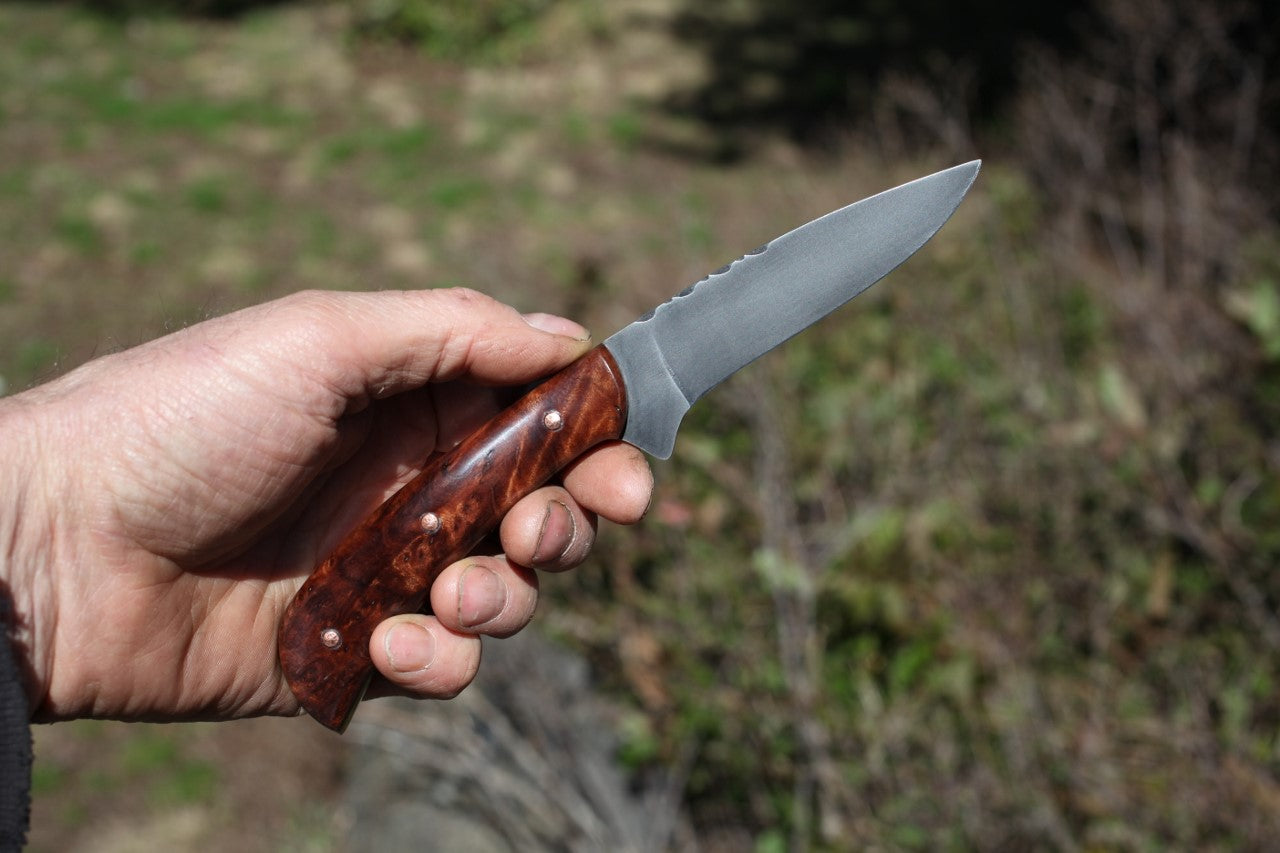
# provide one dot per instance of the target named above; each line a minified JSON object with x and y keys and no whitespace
{"x":115,"y":106}
{"x":626,"y":129}
{"x":208,"y":195}
{"x":47,"y":779}
{"x":80,"y":233}
{"x":458,"y":193}
{"x":35,"y":356}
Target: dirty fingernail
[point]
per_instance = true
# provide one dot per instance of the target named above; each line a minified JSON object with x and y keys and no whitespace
{"x":557,"y":534}
{"x":409,"y":647}
{"x":481,"y":596}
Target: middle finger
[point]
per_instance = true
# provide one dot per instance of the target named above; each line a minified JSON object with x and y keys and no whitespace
{"x":485,"y":595}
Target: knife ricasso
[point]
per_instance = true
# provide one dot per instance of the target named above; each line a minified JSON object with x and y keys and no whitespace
{"x":386,"y":565}
{"x":658,"y":404}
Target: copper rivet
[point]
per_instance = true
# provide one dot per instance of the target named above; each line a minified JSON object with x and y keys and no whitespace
{"x":331,"y":638}
{"x":553,"y":420}
{"x":430,"y":522}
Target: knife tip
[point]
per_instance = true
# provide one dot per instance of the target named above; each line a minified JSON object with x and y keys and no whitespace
{"x":969,"y":170}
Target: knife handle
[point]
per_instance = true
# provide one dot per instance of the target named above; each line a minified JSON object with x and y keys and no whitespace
{"x":386,"y":565}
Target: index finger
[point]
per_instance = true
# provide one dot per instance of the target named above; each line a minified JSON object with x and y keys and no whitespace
{"x":613,"y":480}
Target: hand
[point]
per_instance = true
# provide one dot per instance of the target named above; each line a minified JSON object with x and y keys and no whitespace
{"x":159,"y":507}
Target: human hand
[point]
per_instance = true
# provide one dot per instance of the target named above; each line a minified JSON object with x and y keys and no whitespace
{"x":159,"y":507}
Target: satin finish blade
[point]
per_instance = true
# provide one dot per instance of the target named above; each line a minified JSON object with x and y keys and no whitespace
{"x":685,"y":347}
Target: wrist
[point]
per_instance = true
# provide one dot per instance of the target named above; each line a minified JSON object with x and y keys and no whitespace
{"x":26,"y":547}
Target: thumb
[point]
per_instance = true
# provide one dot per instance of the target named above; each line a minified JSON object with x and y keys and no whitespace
{"x":372,"y":345}
{"x":556,"y":325}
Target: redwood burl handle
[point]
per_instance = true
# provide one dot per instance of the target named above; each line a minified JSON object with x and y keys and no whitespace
{"x":387,"y":564}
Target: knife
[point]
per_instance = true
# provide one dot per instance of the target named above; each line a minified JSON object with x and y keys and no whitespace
{"x":636,"y":386}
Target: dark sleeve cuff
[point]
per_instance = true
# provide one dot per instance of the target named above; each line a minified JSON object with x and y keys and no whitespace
{"x":15,"y":741}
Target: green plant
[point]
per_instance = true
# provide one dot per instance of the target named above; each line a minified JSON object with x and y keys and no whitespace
{"x":1258,"y":307}
{"x":452,"y":28}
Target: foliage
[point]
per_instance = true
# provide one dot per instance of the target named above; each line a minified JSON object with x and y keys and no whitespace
{"x":1024,"y":533}
{"x":449,"y":28}
{"x":806,"y":65}
{"x":454,"y":29}
{"x":214,"y":8}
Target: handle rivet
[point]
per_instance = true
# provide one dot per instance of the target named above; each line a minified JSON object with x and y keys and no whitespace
{"x":553,"y":420}
{"x":331,"y":638}
{"x":430,"y":523}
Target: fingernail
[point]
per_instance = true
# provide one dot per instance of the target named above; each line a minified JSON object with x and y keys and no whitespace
{"x":557,"y":326}
{"x":409,"y":647}
{"x":481,"y":596}
{"x":556,"y":535}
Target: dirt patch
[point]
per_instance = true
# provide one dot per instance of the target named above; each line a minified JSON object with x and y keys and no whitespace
{"x":252,"y":785}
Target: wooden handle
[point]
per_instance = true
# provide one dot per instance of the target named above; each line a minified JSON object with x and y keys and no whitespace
{"x":387,"y":564}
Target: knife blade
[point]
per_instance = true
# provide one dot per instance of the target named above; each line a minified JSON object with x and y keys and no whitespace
{"x":635,"y":386}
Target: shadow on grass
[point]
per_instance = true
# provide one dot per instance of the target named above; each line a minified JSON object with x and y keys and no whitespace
{"x":184,"y":8}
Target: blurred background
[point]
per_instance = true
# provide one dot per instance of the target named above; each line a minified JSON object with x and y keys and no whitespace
{"x":985,"y":561}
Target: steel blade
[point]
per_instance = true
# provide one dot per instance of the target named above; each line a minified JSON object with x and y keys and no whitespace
{"x":685,"y":347}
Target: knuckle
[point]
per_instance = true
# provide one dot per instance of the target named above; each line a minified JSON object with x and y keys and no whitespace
{"x":466,"y":298}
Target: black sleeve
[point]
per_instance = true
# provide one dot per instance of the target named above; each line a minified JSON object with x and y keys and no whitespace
{"x":15,"y":742}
